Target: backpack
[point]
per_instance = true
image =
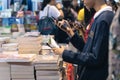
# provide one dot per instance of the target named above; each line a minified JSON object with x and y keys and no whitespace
{"x":47,"y":26}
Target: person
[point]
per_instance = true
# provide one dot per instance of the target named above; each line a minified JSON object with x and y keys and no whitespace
{"x":68,"y":15}
{"x":92,"y":58}
{"x":68,"y":10}
{"x":114,"y":5}
{"x":18,"y":5}
{"x":75,"y":5}
{"x":114,"y":57}
{"x":75,"y":8}
{"x":50,"y":9}
{"x":81,"y":15}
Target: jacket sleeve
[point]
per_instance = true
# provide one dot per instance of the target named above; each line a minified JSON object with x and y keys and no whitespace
{"x":77,"y":42}
{"x":99,"y":50}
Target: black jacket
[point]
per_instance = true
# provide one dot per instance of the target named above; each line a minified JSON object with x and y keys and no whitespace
{"x":93,"y":56}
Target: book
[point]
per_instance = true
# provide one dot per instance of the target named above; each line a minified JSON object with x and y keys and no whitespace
{"x":52,"y":43}
{"x":10,"y":47}
{"x":4,"y":71}
{"x":28,"y":52}
{"x":22,"y":71}
{"x":22,"y":68}
{"x":46,"y":73}
{"x":23,"y":79}
{"x":19,"y":57}
{"x":22,"y":76}
{"x":46,"y":62}
{"x":47,"y":77}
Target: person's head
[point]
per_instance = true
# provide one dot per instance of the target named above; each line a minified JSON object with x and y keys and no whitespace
{"x":114,"y":5}
{"x":92,"y":3}
{"x":66,"y":3}
{"x":75,"y":3}
{"x":53,"y":2}
{"x":45,"y":2}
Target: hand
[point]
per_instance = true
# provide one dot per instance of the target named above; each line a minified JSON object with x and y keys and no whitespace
{"x":59,"y":6}
{"x":58,"y":51}
{"x":78,"y":25}
{"x":66,"y":29}
{"x":20,"y":14}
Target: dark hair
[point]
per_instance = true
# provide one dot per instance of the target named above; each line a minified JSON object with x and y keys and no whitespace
{"x":81,"y":4}
{"x":66,"y":3}
{"x":114,"y":5}
{"x":45,"y":2}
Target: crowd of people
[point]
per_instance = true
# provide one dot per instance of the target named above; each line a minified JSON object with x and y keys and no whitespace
{"x":89,"y":26}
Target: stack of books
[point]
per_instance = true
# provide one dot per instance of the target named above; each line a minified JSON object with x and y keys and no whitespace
{"x":10,"y":47}
{"x":22,"y":72}
{"x":13,"y":56}
{"x":29,"y":45}
{"x":47,"y":68}
{"x":4,"y":71}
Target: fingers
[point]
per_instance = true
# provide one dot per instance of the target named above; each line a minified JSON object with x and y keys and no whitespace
{"x":59,"y":23}
{"x":55,"y":51}
{"x":58,"y":51}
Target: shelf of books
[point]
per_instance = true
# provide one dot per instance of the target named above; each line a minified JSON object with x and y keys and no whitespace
{"x":17,"y":21}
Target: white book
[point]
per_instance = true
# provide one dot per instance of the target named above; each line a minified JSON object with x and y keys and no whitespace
{"x":21,"y":58}
{"x":46,"y":73}
{"x":23,"y":79}
{"x":25,"y":39}
{"x":29,"y":43}
{"x":46,"y":59}
{"x":53,"y":43}
{"x":4,"y":69}
{"x":28,"y":52}
{"x":5,"y":78}
{"x":22,"y":76}
{"x":29,"y":46}
{"x":46,"y":64}
{"x":23,"y":72}
{"x":3,"y":58}
{"x":47,"y":77}
{"x":22,"y":66}
{"x":46,"y":68}
{"x":24,"y":69}
{"x":4,"y":73}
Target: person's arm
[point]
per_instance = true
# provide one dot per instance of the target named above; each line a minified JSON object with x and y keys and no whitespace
{"x":77,"y":41}
{"x":59,"y":7}
{"x":24,"y":2}
{"x":98,"y":53}
{"x":74,"y":13}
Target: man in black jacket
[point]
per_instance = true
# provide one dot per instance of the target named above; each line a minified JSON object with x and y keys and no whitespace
{"x":93,"y":56}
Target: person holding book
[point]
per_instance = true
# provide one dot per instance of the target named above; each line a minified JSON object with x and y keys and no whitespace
{"x":92,"y":58}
